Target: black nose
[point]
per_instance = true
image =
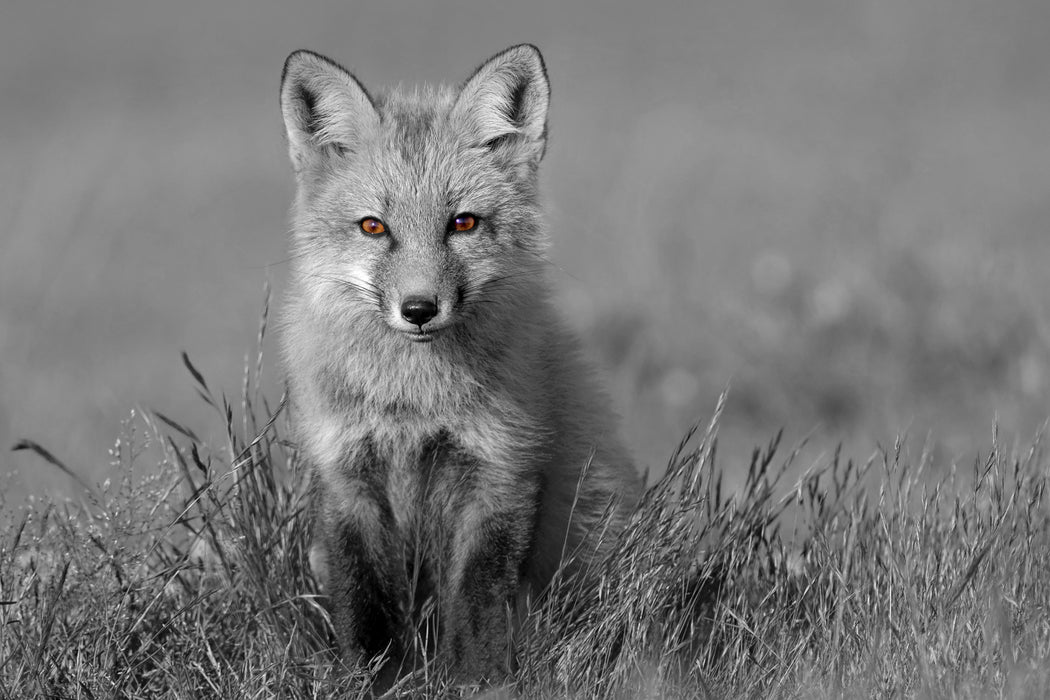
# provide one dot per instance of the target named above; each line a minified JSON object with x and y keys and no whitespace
{"x":418,"y":310}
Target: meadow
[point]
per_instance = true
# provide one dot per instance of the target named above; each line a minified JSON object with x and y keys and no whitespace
{"x":832,"y":214}
{"x":853,"y":580}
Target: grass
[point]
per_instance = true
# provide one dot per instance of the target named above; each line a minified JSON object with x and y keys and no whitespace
{"x":855,"y":579}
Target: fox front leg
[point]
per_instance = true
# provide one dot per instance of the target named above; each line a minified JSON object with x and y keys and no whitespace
{"x":480,"y":592}
{"x":367,"y":588}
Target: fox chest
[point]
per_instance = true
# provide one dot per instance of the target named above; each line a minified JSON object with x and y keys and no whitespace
{"x":423,"y":480}
{"x":411,"y":473}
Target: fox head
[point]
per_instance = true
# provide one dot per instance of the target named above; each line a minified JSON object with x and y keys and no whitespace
{"x":416,"y":212}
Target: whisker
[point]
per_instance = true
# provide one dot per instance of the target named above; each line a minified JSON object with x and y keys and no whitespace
{"x":283,"y":261}
{"x":368,"y":290}
{"x":542,"y":257}
{"x":489,"y":284}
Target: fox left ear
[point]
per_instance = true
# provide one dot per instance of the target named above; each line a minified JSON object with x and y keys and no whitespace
{"x":325,"y":109}
{"x":504,"y":104}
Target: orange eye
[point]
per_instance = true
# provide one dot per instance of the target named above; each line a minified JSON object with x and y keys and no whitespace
{"x":373,"y":227}
{"x":463,"y":222}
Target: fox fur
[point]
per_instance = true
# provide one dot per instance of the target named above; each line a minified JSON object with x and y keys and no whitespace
{"x":461,"y":454}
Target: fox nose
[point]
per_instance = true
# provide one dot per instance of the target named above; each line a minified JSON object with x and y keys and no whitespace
{"x":418,"y":310}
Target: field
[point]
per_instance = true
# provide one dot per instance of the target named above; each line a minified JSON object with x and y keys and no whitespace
{"x":855,"y":580}
{"x":836,"y":210}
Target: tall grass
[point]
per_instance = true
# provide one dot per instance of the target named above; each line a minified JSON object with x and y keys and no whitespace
{"x":877,"y":578}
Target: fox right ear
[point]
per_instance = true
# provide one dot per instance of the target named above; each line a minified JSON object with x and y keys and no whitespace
{"x":504,"y":104}
{"x":325,"y":109}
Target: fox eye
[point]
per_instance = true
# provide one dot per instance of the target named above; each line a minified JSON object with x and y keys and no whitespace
{"x":463,"y":222}
{"x":372,"y":227}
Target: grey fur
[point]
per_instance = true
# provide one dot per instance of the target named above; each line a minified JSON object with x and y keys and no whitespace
{"x":448,"y":456}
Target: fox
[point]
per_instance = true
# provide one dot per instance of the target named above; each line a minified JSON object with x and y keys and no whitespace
{"x":461,"y":449}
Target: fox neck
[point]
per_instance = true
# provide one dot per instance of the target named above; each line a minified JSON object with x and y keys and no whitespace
{"x":362,"y":364}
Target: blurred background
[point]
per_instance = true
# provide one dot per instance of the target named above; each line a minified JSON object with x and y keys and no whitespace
{"x":841,"y":210}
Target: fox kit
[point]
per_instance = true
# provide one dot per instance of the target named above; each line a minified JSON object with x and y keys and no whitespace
{"x":460,"y":448}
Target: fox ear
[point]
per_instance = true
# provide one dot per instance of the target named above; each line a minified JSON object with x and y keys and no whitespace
{"x":325,"y":108}
{"x":504,"y":104}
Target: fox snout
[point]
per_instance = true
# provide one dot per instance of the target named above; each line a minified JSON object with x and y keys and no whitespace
{"x":417,"y":310}
{"x":421,"y":298}
{"x":421,"y":312}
